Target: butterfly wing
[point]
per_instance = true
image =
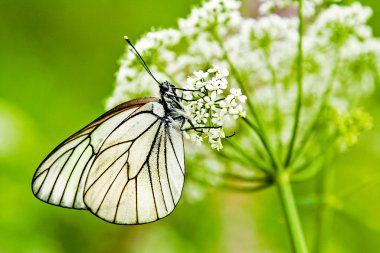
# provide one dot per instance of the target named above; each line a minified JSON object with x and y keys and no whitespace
{"x":60,"y":178}
{"x":138,"y":174}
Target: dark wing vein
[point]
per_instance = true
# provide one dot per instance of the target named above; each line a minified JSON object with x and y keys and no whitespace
{"x":149,"y":153}
{"x":158,"y":172}
{"x":175,"y":153}
{"x":49,"y":169}
{"x":81,"y":175}
{"x":118,"y":202}
{"x":166,"y":167}
{"x":132,"y":115}
{"x":137,"y":210}
{"x":101,"y":174}
{"x":149,"y":169}
{"x":63,"y":167}
{"x":132,"y":140}
{"x":69,"y":178}
{"x":109,"y":188}
{"x":59,"y":174}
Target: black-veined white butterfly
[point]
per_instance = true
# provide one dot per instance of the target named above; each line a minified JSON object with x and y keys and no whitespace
{"x":126,"y":167}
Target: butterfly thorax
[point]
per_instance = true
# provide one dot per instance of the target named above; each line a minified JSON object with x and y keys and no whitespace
{"x":171,"y":101}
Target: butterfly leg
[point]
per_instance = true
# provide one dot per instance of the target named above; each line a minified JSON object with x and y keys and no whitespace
{"x":193,"y":127}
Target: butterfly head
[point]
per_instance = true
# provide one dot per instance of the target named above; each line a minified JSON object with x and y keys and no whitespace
{"x":165,"y":87}
{"x":169,"y":97}
{"x":168,"y":89}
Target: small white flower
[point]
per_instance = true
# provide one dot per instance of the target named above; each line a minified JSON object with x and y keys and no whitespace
{"x":195,"y":138}
{"x":215,"y":136}
{"x":222,"y":73}
{"x":191,"y":81}
{"x":200,"y":74}
{"x":237,"y":95}
{"x":216,"y":145}
{"x":214,"y":133}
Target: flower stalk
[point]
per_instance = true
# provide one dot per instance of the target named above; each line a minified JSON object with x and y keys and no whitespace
{"x":290,"y":210}
{"x":283,"y":177}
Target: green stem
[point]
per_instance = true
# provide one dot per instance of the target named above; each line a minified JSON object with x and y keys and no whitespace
{"x":297,"y":111}
{"x":290,"y":210}
{"x":325,"y":214}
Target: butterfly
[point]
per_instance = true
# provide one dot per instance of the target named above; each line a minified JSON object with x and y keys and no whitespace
{"x":125,"y":167}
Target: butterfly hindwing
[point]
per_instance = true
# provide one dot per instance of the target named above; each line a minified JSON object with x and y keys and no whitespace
{"x":137,"y":177}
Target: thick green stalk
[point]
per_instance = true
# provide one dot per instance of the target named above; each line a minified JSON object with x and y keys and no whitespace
{"x":292,"y":219}
{"x":283,"y":177}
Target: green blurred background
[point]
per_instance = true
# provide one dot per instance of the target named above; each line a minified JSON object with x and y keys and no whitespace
{"x":57,"y":65}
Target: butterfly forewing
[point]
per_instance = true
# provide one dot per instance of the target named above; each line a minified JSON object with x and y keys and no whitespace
{"x":59,"y":180}
{"x":143,"y":180}
{"x":127,"y":166}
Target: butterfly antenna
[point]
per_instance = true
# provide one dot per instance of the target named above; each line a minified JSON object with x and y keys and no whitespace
{"x":140,"y":59}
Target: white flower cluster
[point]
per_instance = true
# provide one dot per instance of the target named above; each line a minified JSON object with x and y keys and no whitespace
{"x":340,"y":64}
{"x":209,"y":107}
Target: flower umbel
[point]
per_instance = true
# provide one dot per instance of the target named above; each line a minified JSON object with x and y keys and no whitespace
{"x":340,"y":66}
{"x":209,"y":105}
{"x":321,"y":59}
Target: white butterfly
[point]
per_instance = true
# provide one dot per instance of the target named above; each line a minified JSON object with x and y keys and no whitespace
{"x":126,"y":167}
